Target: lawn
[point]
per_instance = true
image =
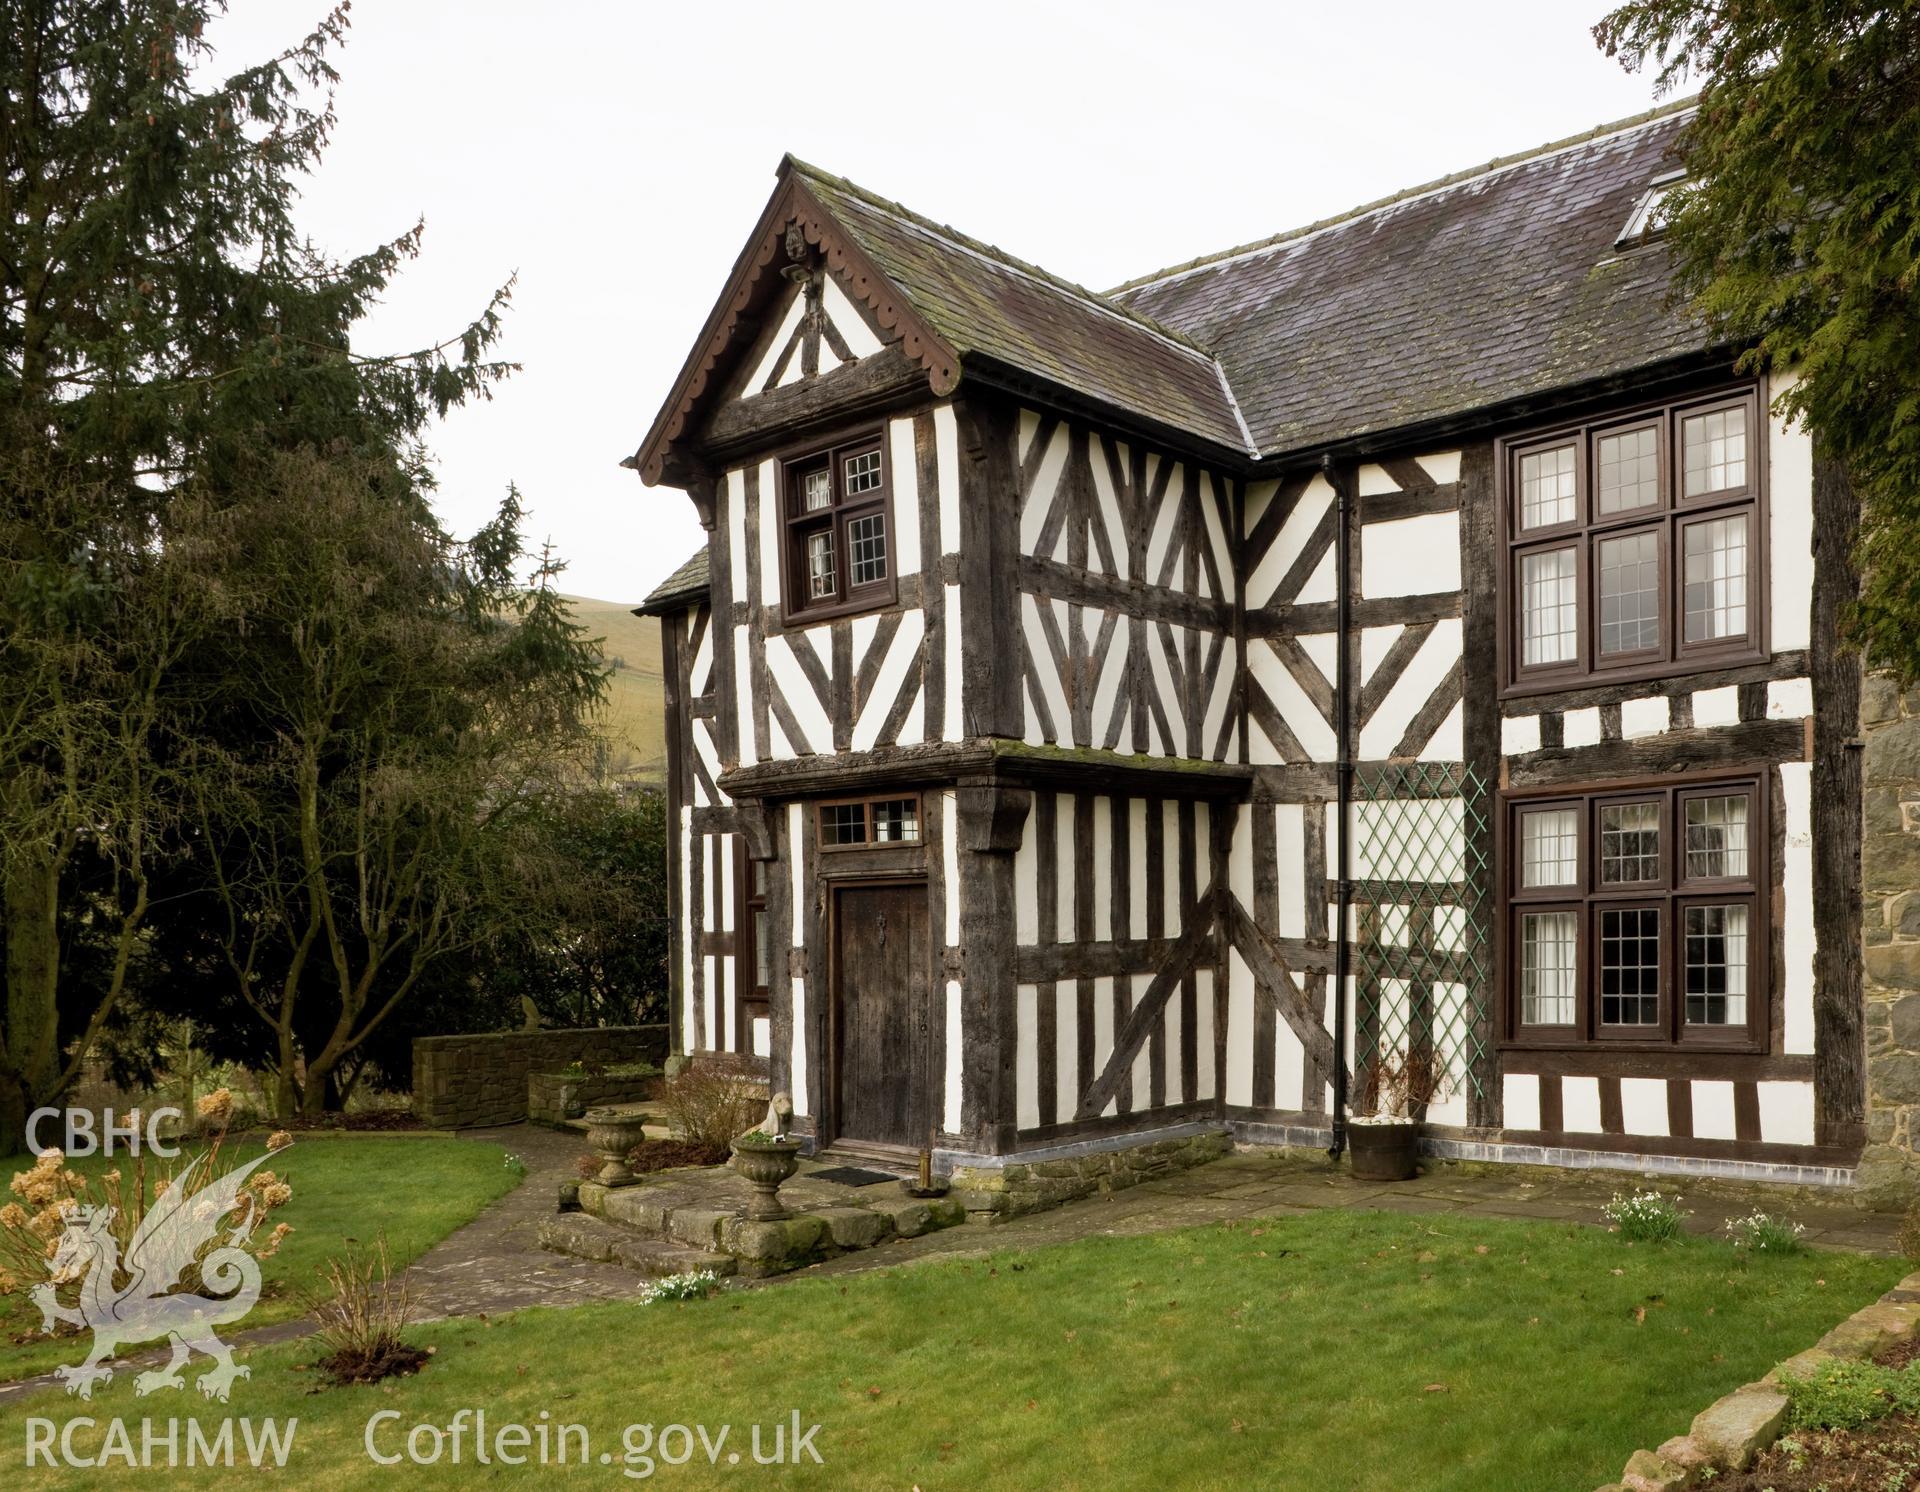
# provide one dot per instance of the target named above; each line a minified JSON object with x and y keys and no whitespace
{"x":352,"y":1187}
{"x":1319,"y":1352}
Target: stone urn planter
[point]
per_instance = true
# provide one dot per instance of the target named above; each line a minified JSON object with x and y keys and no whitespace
{"x":612,"y":1134}
{"x":1384,"y":1151}
{"x":765,"y":1163}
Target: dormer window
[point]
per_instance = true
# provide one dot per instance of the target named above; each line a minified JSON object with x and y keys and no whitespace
{"x":1649,"y":217}
{"x":838,"y":558}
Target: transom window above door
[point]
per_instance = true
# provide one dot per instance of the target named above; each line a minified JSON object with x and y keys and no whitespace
{"x":1639,"y":916}
{"x":1634,"y":544}
{"x":838,"y":526}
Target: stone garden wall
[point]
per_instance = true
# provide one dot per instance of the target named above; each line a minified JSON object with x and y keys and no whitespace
{"x":461,"y":1081}
{"x":553,"y":1097}
{"x":1889,"y":1171}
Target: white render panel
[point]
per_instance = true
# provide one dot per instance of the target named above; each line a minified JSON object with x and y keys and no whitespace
{"x":1102,"y":1037}
{"x":1373,"y":481}
{"x":1789,"y":699}
{"x":950,"y":1107}
{"x":1046,"y":481}
{"x":796,"y":851}
{"x":1448,"y":743}
{"x":799,"y":1077}
{"x":1170,"y":1061}
{"x":1520,"y":1098}
{"x":946,"y":462}
{"x":1026,"y":885}
{"x":1519,"y":733}
{"x":953,"y":728}
{"x":1143,"y":1057}
{"x":743,"y":693}
{"x":1798,"y":941}
{"x":1289,"y":542}
{"x":1717,"y":706}
{"x":1205,"y":1085}
{"x":1289,"y":1063}
{"x":688,"y":940}
{"x":1580,"y":1105}
{"x":1170,"y":867}
{"x":1137,"y":888}
{"x":1301,"y":715}
{"x":1324,"y":649}
{"x":1102,"y":872}
{"x":1375,"y":643}
{"x":1581,"y":727}
{"x":736,"y":500}
{"x":1290,"y":850}
{"x":1063,"y":822}
{"x":847,"y":320}
{"x":1239,"y":1031}
{"x":1712,"y":1110}
{"x":808,"y":713}
{"x":1411,"y":691}
{"x":1442,"y":466}
{"x":1648,"y":716}
{"x":1416,"y":556}
{"x":1160,"y":536}
{"x":905,"y":481}
{"x":1108,"y":500}
{"x":1643,"y":1106}
{"x":1213,"y":499}
{"x":1786,"y":1113}
{"x":950,"y":861}
{"x":1223,"y":697}
{"x":1026,"y":1071}
{"x":771,"y":530}
{"x":1066,"y":1025}
{"x":901,"y":656}
{"x":1789,"y":528}
{"x":789,"y":322}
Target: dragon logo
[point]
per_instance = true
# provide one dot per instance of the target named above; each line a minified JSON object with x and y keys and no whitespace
{"x":176,"y":1232}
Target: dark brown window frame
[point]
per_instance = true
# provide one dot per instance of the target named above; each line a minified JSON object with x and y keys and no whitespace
{"x":796,"y":604}
{"x":1671,"y":515}
{"x":866,"y":801}
{"x":1673,"y":892}
{"x":752,"y":998}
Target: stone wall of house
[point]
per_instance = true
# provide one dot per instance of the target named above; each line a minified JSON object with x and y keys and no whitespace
{"x":1889,"y":1171}
{"x":1018,"y":1187}
{"x":462,"y":1081}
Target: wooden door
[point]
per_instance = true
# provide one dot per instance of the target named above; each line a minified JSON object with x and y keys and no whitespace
{"x":880,"y":1012}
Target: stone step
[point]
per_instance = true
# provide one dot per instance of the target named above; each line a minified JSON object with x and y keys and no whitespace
{"x":587,"y":1237}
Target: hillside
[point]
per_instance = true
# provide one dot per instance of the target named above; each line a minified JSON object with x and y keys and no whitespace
{"x":635,"y":723}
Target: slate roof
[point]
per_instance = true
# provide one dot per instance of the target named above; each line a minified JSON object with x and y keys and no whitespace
{"x":985,"y":304}
{"x":686,"y":584}
{"x":1499,"y":284}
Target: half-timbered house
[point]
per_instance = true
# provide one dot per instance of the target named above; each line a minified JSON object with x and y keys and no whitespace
{"x":1101,"y":718}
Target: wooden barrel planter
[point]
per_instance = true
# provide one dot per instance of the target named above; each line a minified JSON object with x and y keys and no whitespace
{"x":1383,"y":1152}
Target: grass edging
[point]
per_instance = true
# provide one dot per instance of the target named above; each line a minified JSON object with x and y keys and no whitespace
{"x":1729,"y":1433}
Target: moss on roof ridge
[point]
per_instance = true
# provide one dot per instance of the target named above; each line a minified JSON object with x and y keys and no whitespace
{"x":1443,"y":183}
{"x":992,"y":251}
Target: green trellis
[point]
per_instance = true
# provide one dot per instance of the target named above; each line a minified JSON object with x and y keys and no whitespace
{"x":1421,"y":877}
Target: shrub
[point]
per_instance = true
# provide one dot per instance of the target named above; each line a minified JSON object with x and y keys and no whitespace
{"x":695,"y":1285}
{"x":1763,"y":1233}
{"x":360,"y":1312}
{"x":711,"y":1101}
{"x":32,"y":1224}
{"x":1644,"y":1217}
{"x":1844,"y":1393}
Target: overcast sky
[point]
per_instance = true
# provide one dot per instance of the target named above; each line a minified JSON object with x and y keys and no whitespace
{"x":616,"y":155}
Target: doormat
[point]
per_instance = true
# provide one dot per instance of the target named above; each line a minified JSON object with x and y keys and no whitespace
{"x":851,"y":1176}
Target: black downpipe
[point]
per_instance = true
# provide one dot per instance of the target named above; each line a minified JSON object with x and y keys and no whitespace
{"x":1343,"y":796}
